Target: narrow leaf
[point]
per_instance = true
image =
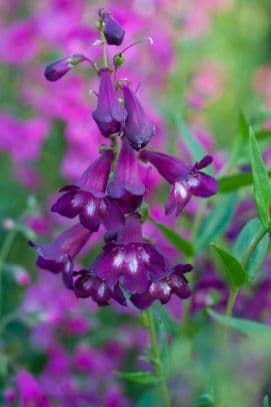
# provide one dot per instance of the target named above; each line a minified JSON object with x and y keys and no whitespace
{"x":236,"y":181}
{"x":139,"y":377}
{"x":266,"y":402}
{"x":256,"y":330}
{"x":235,"y":272}
{"x":244,"y":240}
{"x":216,"y":222}
{"x":193,"y":145}
{"x":262,"y":188}
{"x":177,"y":240}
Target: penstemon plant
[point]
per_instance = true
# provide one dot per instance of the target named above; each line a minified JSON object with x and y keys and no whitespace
{"x":131,"y":272}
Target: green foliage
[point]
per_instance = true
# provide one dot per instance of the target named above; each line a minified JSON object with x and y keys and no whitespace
{"x":266,"y":402}
{"x":139,"y":377}
{"x":262,"y":188}
{"x":245,"y":239}
{"x":235,"y":272}
{"x":216,"y":222}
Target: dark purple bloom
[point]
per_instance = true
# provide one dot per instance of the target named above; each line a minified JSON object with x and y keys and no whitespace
{"x":113,"y":31}
{"x":138,"y":129}
{"x":161,"y":290}
{"x":126,"y":186}
{"x":136,"y":262}
{"x":58,"y":255}
{"x":186,"y":180}
{"x":88,"y":199}
{"x":89,"y":285}
{"x":57,"y":69}
{"x":109,"y":114}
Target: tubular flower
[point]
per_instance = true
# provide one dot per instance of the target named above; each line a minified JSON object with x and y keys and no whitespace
{"x":138,"y":129}
{"x":58,"y":255}
{"x":126,"y":187}
{"x":109,"y":114}
{"x":89,"y":285}
{"x":113,"y":31}
{"x":57,"y":69}
{"x":88,"y":198}
{"x":131,"y":259}
{"x":174,"y":283}
{"x":186,"y":180}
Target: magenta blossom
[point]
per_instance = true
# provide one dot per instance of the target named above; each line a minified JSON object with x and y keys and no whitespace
{"x":58,"y":255}
{"x":89,"y":200}
{"x":109,"y":114}
{"x":138,"y":128}
{"x":113,"y":31}
{"x":126,"y":187}
{"x":30,"y":392}
{"x":186,"y":180}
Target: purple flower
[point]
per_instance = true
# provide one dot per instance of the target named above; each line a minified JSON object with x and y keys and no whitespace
{"x":186,"y":180}
{"x":56,"y":70}
{"x":30,"y":392}
{"x":138,"y":129}
{"x":136,"y":262}
{"x":109,"y":114}
{"x":113,"y":31}
{"x":174,"y":283}
{"x":88,"y":198}
{"x":89,"y":285}
{"x":126,"y":186}
{"x":58,"y":255}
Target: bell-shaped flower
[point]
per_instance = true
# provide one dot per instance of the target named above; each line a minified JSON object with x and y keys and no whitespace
{"x":130,"y":260}
{"x":109,"y":114}
{"x":30,"y":393}
{"x":113,"y":31}
{"x":138,"y":128}
{"x":174,"y":283}
{"x":89,"y":200}
{"x":89,"y":285}
{"x":58,"y":256}
{"x":186,"y":180}
{"x":126,"y":187}
{"x":57,"y":69}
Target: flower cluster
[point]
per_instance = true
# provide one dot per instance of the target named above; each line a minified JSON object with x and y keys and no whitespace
{"x":110,"y":193}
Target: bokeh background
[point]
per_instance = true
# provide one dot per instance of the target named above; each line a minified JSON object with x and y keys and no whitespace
{"x":210,"y":61}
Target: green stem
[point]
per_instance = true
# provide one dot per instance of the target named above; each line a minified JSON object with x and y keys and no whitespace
{"x":156,"y":359}
{"x":3,"y":255}
{"x":251,"y":248}
{"x":105,"y":59}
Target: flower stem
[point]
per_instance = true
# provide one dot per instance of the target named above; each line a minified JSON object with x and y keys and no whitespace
{"x":156,"y":359}
{"x":105,"y":59}
{"x":3,"y":255}
{"x":251,"y":248}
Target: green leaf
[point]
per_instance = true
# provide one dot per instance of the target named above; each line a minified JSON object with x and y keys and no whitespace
{"x":139,"y":377}
{"x":235,"y":272}
{"x":262,"y":134}
{"x":236,"y":181}
{"x":244,"y":240}
{"x":266,"y":402}
{"x":256,"y":330}
{"x":177,"y":240}
{"x":193,"y":145}
{"x":170,"y":325}
{"x":150,"y":398}
{"x":216,"y":222}
{"x":206,"y":400}
{"x":262,"y":188}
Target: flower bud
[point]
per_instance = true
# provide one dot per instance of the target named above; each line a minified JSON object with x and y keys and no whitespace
{"x":56,"y":70}
{"x":113,"y":31}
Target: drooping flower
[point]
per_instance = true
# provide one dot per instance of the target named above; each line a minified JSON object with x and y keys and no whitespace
{"x":89,"y":200}
{"x":90,"y":285}
{"x":174,"y":283}
{"x":112,"y":29}
{"x":30,"y":393}
{"x":186,"y":180}
{"x":57,"y":69}
{"x":109,"y":114}
{"x":138,"y":128}
{"x":58,"y":255}
{"x":126,"y":187}
{"x":132,"y":260}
